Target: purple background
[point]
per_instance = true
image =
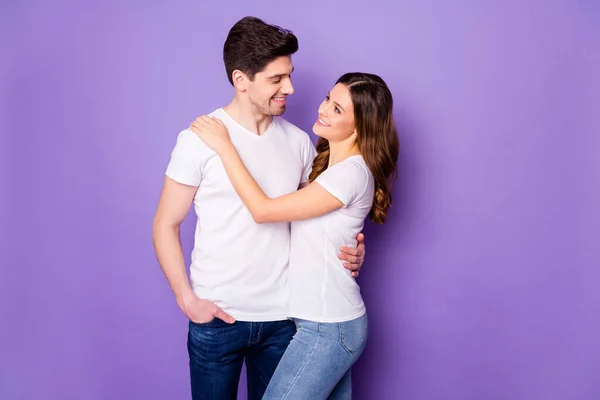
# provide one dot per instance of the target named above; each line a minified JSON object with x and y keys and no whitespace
{"x":484,"y":283}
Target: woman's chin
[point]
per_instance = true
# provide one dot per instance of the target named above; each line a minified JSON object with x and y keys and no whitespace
{"x":317,"y":130}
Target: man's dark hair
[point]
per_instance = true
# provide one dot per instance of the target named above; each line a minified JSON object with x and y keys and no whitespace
{"x":252,"y":44}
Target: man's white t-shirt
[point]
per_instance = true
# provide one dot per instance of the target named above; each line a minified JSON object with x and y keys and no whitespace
{"x":238,"y":264}
{"x":321,"y":289}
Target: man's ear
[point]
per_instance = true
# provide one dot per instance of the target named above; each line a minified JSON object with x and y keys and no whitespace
{"x":240,"y":80}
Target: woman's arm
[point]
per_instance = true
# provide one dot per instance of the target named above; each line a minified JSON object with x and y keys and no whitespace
{"x":308,"y":202}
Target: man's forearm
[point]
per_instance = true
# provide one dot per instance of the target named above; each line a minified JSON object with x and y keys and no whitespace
{"x":167,"y":245}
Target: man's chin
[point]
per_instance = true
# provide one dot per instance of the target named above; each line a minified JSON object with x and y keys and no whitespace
{"x":277,"y":111}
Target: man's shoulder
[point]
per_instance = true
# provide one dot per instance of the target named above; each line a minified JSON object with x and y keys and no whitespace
{"x":218,"y":112}
{"x":189,"y":143}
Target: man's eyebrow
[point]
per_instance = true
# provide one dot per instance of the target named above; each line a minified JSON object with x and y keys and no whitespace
{"x":280,"y":75}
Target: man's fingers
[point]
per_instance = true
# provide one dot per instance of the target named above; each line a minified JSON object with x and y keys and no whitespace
{"x":360,"y":238}
{"x":349,"y":258}
{"x":352,"y":266}
{"x":353,"y":251}
{"x":219,"y":313}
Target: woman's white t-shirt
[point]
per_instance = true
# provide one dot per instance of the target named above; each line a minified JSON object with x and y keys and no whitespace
{"x":321,"y":289}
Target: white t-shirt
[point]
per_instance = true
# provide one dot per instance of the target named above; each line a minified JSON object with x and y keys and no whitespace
{"x":321,"y":289}
{"x":238,"y":264}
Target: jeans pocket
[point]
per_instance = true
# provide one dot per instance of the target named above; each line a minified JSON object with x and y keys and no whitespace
{"x":207,"y":323}
{"x":204,"y":332}
{"x":353,"y":335}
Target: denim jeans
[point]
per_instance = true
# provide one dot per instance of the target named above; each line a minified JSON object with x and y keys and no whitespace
{"x":316,"y":364}
{"x":217,"y":351}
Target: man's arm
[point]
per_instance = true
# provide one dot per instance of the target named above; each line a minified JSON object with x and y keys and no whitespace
{"x":309,"y":201}
{"x":173,"y":206}
{"x":354,"y":257}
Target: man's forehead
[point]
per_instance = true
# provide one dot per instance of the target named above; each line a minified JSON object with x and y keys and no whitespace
{"x":279,"y":66}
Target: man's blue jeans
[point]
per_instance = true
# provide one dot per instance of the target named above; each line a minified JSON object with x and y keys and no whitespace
{"x":217,"y":351}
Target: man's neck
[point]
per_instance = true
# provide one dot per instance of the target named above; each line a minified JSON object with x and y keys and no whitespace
{"x":247,"y":117}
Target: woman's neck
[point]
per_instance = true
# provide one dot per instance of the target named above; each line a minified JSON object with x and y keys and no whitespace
{"x":339,"y":151}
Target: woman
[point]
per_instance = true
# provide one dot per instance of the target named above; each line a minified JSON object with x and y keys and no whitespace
{"x":350,"y":180}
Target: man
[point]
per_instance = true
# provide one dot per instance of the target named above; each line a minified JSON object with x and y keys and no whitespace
{"x":237,"y":301}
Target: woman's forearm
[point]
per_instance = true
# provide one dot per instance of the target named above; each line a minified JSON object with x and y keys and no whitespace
{"x":308,"y":202}
{"x":244,"y":184}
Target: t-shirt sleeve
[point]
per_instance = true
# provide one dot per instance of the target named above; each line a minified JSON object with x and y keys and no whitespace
{"x":347,"y":181}
{"x":308,"y":155}
{"x":187,"y":159}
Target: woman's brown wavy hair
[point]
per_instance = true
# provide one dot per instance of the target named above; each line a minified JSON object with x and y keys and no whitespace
{"x":377,"y":137}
